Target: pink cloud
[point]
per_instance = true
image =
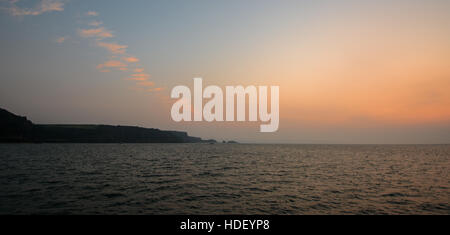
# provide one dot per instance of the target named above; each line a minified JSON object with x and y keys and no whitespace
{"x":140,"y":77}
{"x":112,"y":64}
{"x":42,"y":7}
{"x":113,"y":47}
{"x":61,"y":39}
{"x":95,"y":23}
{"x":92,"y":13}
{"x":131,"y":59}
{"x":146,"y":83}
{"x":137,"y":79}
{"x":143,"y":75}
{"x":98,"y":33}
{"x":156,"y":89}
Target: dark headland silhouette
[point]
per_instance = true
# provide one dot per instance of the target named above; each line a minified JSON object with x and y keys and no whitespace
{"x":17,"y":129}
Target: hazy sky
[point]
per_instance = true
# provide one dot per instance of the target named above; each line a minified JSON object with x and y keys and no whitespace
{"x":348,"y":71}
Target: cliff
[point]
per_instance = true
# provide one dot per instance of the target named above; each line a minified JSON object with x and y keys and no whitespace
{"x":15,"y":128}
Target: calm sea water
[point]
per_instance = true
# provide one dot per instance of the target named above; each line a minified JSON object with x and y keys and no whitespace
{"x":224,"y":179}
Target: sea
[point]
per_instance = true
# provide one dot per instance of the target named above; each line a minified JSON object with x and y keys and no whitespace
{"x":216,"y":179}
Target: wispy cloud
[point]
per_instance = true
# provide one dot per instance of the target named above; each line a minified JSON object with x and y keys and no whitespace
{"x":113,"y":47}
{"x":112,"y":64}
{"x":131,"y":59}
{"x":61,"y":39}
{"x":98,"y":33}
{"x":156,"y":89}
{"x":126,"y":63}
{"x":140,"y":76}
{"x":146,"y":83}
{"x":92,"y":13}
{"x":119,"y":58}
{"x":41,"y":7}
{"x":95,"y":23}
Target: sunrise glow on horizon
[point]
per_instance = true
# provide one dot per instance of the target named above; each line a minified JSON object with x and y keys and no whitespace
{"x":348,"y":72}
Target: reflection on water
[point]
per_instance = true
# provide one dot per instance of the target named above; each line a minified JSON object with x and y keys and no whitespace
{"x":224,"y":179}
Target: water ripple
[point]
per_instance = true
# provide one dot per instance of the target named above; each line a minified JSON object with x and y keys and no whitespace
{"x":224,"y":179}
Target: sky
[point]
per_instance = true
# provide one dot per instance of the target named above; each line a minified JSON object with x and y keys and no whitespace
{"x":349,"y":72}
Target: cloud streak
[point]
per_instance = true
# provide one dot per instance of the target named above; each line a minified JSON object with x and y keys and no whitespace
{"x":112,"y":64}
{"x":95,"y":31}
{"x":113,"y":47}
{"x":140,"y":77}
{"x":146,"y":83}
{"x":42,"y":7}
{"x":92,"y":13}
{"x":95,"y":23}
{"x":98,"y":33}
{"x":126,"y":62}
{"x":131,"y":59}
{"x":61,"y":39}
